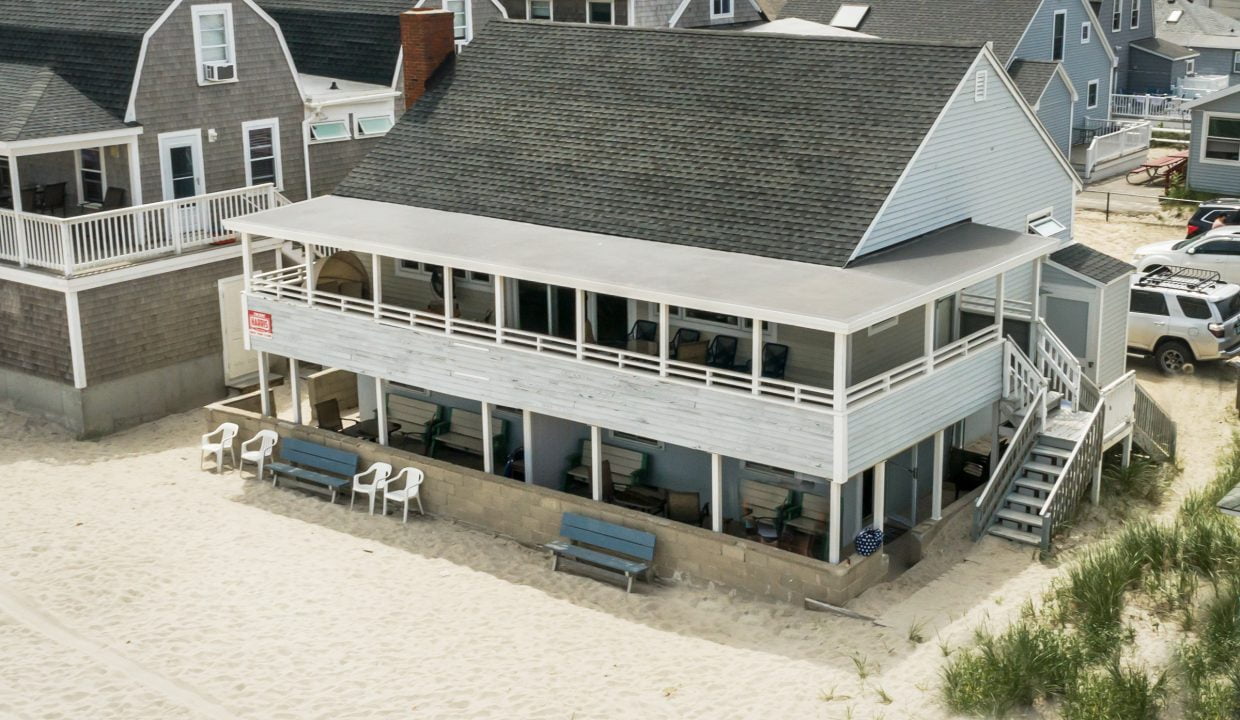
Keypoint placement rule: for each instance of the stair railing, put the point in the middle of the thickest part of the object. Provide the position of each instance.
(1082, 467)
(1008, 467)
(1153, 429)
(1057, 363)
(1022, 381)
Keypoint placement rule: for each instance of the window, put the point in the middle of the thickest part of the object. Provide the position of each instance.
(90, 176)
(460, 23)
(1085, 30)
(718, 8)
(1117, 17)
(374, 126)
(468, 276)
(1195, 308)
(1190, 66)
(1235, 62)
(1218, 247)
(1091, 94)
(1061, 27)
(849, 17)
(1222, 138)
(979, 86)
(539, 10)
(1135, 21)
(1228, 307)
(883, 326)
(712, 322)
(1045, 225)
(413, 268)
(329, 131)
(635, 439)
(599, 13)
(213, 43)
(1148, 303)
(6, 187)
(262, 152)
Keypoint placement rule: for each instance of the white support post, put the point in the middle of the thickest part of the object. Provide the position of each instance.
(1126, 460)
(449, 299)
(76, 351)
(999, 304)
(500, 321)
(716, 492)
(664, 338)
(376, 283)
(488, 440)
(757, 356)
(135, 172)
(527, 433)
(880, 495)
(309, 274)
(264, 384)
(579, 310)
(1035, 310)
(294, 378)
(1095, 493)
(936, 504)
(381, 416)
(836, 528)
(929, 337)
(66, 249)
(23, 252)
(247, 262)
(596, 463)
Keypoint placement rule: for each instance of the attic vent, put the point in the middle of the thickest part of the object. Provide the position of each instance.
(849, 17)
(979, 86)
(1175, 16)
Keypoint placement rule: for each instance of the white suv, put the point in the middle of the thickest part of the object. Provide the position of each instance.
(1183, 315)
(1217, 250)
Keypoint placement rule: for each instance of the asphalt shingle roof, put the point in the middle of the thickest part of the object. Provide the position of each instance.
(973, 22)
(741, 142)
(1165, 48)
(37, 103)
(1032, 77)
(357, 40)
(1092, 263)
(1198, 26)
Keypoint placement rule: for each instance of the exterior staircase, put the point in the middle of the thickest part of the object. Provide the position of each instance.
(1019, 515)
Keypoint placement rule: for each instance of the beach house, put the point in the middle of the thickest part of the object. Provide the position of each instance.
(700, 260)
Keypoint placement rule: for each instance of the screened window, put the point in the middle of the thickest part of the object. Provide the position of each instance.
(600, 13)
(1061, 27)
(1195, 308)
(460, 21)
(262, 152)
(91, 163)
(372, 126)
(540, 9)
(720, 8)
(1148, 303)
(1117, 16)
(213, 40)
(330, 130)
(1091, 94)
(1223, 139)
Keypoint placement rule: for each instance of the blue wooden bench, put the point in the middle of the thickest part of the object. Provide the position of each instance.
(318, 467)
(605, 545)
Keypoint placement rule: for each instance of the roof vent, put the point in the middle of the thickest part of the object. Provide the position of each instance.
(334, 86)
(849, 17)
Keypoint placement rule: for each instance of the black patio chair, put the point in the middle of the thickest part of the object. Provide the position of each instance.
(721, 352)
(113, 199)
(53, 199)
(774, 360)
(683, 335)
(647, 330)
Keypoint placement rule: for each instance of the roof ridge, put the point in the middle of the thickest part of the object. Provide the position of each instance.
(25, 109)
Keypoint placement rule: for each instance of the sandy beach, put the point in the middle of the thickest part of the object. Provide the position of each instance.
(134, 585)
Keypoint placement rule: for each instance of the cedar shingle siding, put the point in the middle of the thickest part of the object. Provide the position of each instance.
(34, 334)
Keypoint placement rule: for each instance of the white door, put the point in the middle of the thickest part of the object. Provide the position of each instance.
(182, 171)
(238, 362)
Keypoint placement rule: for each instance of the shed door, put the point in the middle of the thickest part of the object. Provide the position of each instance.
(1069, 319)
(238, 362)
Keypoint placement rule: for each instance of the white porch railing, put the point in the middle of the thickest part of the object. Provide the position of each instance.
(90, 242)
(1057, 364)
(1149, 107)
(1125, 139)
(1022, 382)
(289, 285)
(1196, 86)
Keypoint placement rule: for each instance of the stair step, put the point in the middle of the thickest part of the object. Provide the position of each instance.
(1043, 468)
(1050, 451)
(1030, 484)
(1026, 500)
(1017, 516)
(1014, 535)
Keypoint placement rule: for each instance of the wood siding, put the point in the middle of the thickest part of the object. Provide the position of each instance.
(1113, 333)
(1216, 61)
(1219, 177)
(1151, 74)
(1084, 62)
(1055, 112)
(1119, 40)
(883, 351)
(697, 14)
(34, 332)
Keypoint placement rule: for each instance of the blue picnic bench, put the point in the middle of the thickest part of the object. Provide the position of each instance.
(317, 466)
(603, 544)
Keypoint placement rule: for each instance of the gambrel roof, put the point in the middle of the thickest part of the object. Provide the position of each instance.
(676, 136)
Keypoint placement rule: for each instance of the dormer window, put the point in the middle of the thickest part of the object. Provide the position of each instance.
(214, 47)
(720, 9)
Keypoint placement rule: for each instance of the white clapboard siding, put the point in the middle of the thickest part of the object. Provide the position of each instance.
(734, 424)
(1113, 342)
(884, 427)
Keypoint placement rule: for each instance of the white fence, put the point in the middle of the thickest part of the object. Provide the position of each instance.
(90, 242)
(1149, 107)
(1201, 85)
(1125, 139)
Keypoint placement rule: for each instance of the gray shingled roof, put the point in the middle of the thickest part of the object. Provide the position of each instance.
(1032, 77)
(743, 142)
(357, 40)
(1198, 26)
(37, 103)
(1091, 263)
(973, 22)
(1165, 48)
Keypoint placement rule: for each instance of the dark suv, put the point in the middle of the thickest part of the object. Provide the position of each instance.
(1208, 212)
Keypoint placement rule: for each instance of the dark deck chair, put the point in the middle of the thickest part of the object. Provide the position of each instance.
(686, 507)
(683, 335)
(721, 352)
(28, 201)
(113, 199)
(54, 198)
(774, 360)
(328, 414)
(646, 330)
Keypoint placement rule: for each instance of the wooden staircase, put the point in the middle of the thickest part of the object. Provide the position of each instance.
(1018, 517)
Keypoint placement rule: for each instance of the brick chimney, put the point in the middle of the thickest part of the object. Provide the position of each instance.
(428, 39)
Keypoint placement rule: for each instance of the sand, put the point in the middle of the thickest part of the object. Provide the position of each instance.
(134, 585)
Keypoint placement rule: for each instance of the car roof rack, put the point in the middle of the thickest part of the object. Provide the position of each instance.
(1181, 278)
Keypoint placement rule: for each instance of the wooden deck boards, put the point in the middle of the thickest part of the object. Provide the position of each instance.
(1067, 425)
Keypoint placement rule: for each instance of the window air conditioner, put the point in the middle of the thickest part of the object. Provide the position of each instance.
(219, 71)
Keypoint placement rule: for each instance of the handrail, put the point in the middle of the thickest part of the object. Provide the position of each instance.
(918, 367)
(1153, 428)
(1021, 374)
(1074, 475)
(1056, 362)
(1004, 472)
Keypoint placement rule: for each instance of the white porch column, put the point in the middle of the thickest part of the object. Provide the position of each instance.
(247, 261)
(500, 320)
(664, 338)
(449, 299)
(135, 172)
(381, 416)
(579, 310)
(999, 304)
(264, 385)
(294, 379)
(880, 495)
(527, 433)
(836, 529)
(757, 356)
(488, 437)
(596, 463)
(929, 337)
(1095, 492)
(716, 492)
(1035, 310)
(76, 352)
(309, 250)
(376, 283)
(16, 184)
(936, 505)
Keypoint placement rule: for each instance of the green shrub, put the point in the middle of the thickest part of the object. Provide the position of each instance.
(1026, 662)
(1143, 479)
(1115, 693)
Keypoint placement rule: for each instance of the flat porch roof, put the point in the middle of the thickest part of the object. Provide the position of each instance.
(815, 296)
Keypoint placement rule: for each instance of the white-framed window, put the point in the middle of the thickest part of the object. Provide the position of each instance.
(720, 9)
(1091, 94)
(1190, 66)
(214, 46)
(717, 322)
(1235, 62)
(1086, 30)
(599, 12)
(460, 21)
(1059, 31)
(633, 439)
(329, 131)
(1117, 15)
(540, 9)
(1135, 20)
(1222, 143)
(979, 85)
(1043, 223)
(91, 175)
(421, 270)
(261, 139)
(374, 126)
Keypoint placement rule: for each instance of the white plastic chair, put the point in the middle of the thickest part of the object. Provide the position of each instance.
(257, 450)
(403, 488)
(381, 471)
(227, 432)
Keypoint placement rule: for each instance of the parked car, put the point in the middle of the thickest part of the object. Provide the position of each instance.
(1203, 220)
(1183, 315)
(1217, 250)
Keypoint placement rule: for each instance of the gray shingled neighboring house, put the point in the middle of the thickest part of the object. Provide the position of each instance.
(590, 245)
(1213, 36)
